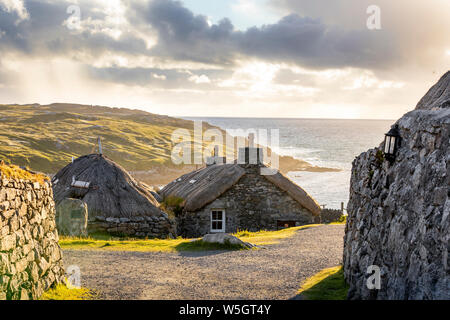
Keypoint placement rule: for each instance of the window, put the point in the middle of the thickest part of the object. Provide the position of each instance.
(387, 144)
(392, 147)
(217, 220)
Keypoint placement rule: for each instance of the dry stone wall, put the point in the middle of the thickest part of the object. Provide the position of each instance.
(30, 257)
(399, 213)
(330, 215)
(148, 226)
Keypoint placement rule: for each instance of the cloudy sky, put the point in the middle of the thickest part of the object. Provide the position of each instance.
(244, 58)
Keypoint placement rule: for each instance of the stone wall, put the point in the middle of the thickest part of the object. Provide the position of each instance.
(398, 214)
(30, 257)
(253, 204)
(150, 226)
(330, 215)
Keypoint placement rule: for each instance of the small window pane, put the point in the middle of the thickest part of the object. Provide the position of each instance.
(217, 217)
(386, 144)
(391, 149)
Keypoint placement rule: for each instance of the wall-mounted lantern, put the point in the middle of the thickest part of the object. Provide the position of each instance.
(391, 143)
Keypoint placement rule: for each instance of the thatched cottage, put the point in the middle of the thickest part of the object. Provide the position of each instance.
(117, 203)
(231, 197)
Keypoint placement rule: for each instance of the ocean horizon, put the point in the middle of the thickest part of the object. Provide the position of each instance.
(331, 143)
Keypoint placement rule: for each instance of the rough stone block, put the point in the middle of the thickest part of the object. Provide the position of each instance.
(8, 242)
(72, 217)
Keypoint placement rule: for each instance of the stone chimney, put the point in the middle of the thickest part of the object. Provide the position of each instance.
(251, 154)
(215, 159)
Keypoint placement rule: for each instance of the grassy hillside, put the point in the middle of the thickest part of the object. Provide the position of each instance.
(45, 137)
(14, 172)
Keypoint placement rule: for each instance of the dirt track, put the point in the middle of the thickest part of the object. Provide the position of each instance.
(272, 273)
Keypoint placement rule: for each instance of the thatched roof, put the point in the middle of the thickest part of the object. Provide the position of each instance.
(200, 187)
(112, 192)
(203, 186)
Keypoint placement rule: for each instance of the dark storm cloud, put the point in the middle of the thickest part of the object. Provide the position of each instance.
(310, 42)
(45, 34)
(182, 35)
(10, 33)
(412, 31)
(294, 39)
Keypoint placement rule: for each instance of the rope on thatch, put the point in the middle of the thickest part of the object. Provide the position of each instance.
(295, 191)
(203, 186)
(116, 193)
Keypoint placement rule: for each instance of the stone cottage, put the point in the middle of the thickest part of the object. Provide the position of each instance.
(231, 197)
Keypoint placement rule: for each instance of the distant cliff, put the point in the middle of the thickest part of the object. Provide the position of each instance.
(398, 214)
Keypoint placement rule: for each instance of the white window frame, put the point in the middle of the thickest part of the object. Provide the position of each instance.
(223, 221)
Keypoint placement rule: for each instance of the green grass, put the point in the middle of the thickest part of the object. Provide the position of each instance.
(14, 172)
(342, 220)
(106, 242)
(151, 245)
(116, 244)
(198, 245)
(328, 284)
(270, 237)
(172, 205)
(67, 292)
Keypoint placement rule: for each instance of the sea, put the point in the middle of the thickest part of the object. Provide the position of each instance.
(331, 143)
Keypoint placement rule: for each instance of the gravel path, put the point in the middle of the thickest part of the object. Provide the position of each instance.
(272, 273)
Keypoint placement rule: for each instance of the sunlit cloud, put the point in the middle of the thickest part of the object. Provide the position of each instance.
(199, 79)
(368, 80)
(159, 76)
(16, 6)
